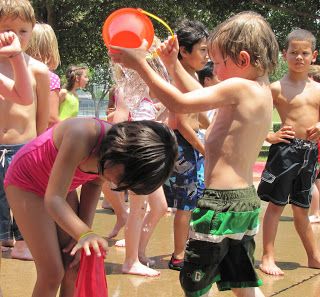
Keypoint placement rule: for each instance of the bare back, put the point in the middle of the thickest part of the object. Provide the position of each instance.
(234, 139)
(18, 122)
(298, 104)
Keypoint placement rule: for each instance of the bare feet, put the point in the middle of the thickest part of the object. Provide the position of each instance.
(21, 251)
(171, 210)
(120, 243)
(313, 263)
(8, 243)
(147, 261)
(121, 221)
(139, 269)
(314, 219)
(268, 266)
(5, 249)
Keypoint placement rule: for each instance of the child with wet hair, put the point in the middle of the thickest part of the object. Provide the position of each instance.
(244, 51)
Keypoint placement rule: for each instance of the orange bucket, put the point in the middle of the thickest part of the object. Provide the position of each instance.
(127, 27)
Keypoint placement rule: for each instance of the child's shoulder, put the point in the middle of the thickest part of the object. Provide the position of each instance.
(63, 93)
(276, 85)
(314, 89)
(80, 129)
(36, 66)
(239, 87)
(315, 85)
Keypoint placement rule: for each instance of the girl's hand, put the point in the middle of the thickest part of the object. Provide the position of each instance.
(90, 239)
(282, 135)
(129, 57)
(76, 259)
(9, 44)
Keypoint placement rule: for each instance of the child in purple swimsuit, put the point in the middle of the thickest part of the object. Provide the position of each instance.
(78, 152)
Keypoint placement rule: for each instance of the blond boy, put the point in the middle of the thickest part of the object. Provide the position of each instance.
(221, 245)
(19, 124)
(291, 167)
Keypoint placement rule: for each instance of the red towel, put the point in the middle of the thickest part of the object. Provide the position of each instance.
(91, 280)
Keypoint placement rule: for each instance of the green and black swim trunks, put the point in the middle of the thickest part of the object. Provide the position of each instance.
(221, 244)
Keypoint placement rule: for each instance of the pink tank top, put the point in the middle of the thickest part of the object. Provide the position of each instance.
(31, 166)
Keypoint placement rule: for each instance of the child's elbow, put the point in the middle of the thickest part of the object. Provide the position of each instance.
(23, 100)
(27, 101)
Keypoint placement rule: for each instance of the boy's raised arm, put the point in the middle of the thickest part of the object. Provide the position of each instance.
(196, 101)
(168, 52)
(18, 90)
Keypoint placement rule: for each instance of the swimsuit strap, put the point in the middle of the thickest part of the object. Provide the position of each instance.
(102, 133)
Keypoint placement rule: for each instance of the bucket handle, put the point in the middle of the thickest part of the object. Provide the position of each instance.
(158, 19)
(155, 54)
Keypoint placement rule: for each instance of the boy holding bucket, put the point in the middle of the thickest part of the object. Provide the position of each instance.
(244, 51)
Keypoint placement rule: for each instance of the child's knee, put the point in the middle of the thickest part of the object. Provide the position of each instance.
(51, 276)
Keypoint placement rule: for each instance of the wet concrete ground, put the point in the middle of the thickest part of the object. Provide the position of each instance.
(18, 277)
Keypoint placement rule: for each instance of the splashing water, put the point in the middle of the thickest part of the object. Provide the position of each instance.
(133, 86)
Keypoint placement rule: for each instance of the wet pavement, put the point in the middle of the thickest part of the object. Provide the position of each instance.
(18, 277)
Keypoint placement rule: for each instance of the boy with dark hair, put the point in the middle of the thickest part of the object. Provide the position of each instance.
(291, 166)
(206, 75)
(185, 185)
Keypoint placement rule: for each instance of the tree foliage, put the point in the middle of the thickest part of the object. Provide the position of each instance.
(78, 24)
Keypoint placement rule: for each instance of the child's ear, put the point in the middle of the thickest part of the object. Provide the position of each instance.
(183, 51)
(244, 59)
(314, 56)
(284, 54)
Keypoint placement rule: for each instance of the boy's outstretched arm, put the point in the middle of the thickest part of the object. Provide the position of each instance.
(224, 93)
(19, 89)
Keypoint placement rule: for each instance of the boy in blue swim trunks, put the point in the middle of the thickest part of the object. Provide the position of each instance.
(221, 245)
(186, 183)
(291, 167)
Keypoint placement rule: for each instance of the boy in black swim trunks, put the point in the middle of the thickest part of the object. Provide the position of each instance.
(291, 167)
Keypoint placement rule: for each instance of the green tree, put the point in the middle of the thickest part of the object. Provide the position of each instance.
(78, 24)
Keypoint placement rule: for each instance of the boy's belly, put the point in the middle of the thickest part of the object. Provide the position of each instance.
(226, 176)
(17, 133)
(17, 124)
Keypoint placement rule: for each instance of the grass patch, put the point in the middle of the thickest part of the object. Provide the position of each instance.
(275, 116)
(262, 159)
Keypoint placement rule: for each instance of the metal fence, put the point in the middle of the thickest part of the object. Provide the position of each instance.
(87, 106)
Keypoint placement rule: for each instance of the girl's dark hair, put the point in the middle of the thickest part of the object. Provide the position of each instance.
(71, 74)
(147, 150)
(189, 33)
